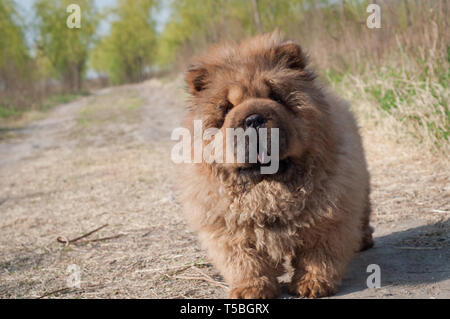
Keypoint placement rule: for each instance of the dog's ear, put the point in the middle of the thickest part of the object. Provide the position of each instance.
(291, 55)
(196, 79)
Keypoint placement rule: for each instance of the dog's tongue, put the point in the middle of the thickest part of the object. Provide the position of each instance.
(261, 158)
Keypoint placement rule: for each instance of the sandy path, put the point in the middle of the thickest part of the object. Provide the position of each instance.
(105, 160)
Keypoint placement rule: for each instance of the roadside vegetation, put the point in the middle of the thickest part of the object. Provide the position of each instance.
(397, 76)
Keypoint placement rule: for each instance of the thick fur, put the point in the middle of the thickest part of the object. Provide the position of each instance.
(314, 211)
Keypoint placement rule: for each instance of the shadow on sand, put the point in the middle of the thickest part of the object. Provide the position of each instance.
(410, 257)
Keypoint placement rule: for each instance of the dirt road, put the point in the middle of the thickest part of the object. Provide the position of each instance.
(105, 159)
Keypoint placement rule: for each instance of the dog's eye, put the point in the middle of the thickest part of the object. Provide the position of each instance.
(274, 96)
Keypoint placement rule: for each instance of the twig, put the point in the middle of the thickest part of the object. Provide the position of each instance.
(64, 240)
(54, 292)
(105, 238)
(427, 272)
(202, 273)
(211, 279)
(202, 278)
(418, 248)
(175, 269)
(440, 211)
(68, 289)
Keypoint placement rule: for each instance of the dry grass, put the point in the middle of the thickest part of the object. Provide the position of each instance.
(109, 173)
(99, 161)
(396, 77)
(84, 179)
(406, 93)
(410, 111)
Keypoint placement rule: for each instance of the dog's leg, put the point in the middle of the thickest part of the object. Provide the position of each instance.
(250, 276)
(367, 239)
(248, 273)
(319, 270)
(261, 287)
(315, 276)
(367, 230)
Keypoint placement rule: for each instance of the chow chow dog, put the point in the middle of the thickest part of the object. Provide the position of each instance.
(314, 211)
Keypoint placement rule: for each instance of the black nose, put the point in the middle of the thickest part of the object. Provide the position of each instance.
(255, 121)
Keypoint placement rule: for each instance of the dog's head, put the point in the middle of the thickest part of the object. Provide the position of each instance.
(262, 83)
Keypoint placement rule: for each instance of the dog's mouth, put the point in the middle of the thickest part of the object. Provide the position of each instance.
(262, 157)
(255, 169)
(265, 163)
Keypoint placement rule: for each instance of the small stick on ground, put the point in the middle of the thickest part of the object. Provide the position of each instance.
(64, 240)
(418, 248)
(105, 238)
(173, 270)
(440, 211)
(214, 282)
(183, 268)
(54, 292)
(68, 289)
(204, 277)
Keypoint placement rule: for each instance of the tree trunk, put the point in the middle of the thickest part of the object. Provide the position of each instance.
(79, 82)
(257, 16)
(343, 10)
(408, 13)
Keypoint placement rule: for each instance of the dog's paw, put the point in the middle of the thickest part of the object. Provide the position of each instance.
(311, 287)
(262, 292)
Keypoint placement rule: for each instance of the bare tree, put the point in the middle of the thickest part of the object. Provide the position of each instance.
(343, 10)
(408, 12)
(257, 16)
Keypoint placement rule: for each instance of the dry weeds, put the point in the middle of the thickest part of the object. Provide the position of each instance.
(119, 173)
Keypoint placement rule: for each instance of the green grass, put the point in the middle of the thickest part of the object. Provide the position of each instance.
(11, 111)
(415, 97)
(109, 109)
(61, 99)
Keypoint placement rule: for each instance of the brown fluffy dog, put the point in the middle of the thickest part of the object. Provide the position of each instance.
(315, 210)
